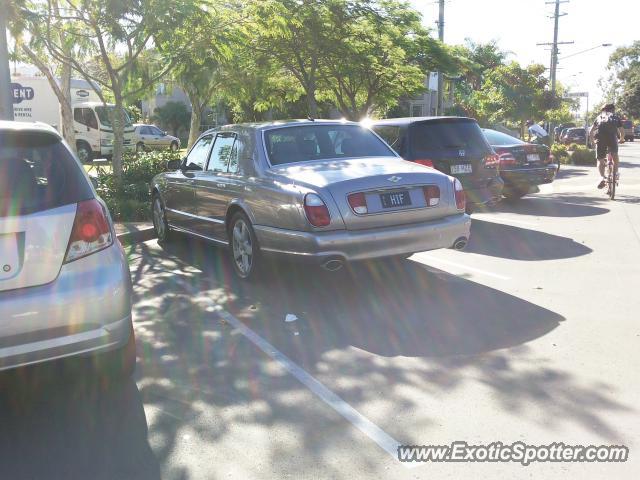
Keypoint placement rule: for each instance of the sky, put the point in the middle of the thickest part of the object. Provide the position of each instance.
(517, 25)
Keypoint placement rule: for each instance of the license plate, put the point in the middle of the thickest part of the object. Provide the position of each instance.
(8, 256)
(533, 157)
(464, 168)
(395, 199)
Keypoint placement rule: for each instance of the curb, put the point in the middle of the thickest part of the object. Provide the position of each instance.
(136, 236)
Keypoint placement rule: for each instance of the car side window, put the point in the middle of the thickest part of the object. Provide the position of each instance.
(90, 118)
(155, 131)
(221, 153)
(144, 130)
(77, 115)
(198, 155)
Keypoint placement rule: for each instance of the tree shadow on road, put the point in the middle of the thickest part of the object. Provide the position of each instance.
(551, 206)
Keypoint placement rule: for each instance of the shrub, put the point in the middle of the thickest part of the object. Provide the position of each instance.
(129, 200)
(560, 153)
(583, 156)
(574, 146)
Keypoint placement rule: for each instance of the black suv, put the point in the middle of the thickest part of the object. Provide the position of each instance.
(453, 145)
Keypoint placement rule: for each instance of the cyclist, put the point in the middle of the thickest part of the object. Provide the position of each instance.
(537, 131)
(607, 131)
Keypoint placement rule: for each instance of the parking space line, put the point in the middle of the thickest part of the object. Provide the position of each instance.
(461, 266)
(362, 423)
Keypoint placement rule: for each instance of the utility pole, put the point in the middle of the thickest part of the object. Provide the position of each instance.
(440, 74)
(554, 48)
(6, 99)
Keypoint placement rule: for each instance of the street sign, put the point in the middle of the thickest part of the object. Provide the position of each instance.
(576, 94)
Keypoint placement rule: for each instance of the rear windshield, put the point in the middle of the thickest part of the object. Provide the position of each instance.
(37, 173)
(499, 138)
(447, 138)
(579, 131)
(322, 142)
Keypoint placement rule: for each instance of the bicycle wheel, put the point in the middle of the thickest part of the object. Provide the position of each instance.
(612, 182)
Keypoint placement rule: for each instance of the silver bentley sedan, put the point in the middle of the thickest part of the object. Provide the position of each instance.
(327, 192)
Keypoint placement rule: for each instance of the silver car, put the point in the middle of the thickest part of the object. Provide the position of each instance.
(65, 287)
(327, 192)
(150, 137)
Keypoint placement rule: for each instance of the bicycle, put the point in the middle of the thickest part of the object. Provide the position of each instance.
(611, 178)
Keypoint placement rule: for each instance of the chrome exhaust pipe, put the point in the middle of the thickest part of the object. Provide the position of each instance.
(460, 243)
(333, 265)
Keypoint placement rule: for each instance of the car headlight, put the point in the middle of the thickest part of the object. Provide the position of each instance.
(106, 142)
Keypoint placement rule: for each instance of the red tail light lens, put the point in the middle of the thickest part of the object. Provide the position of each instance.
(426, 163)
(461, 198)
(91, 231)
(316, 210)
(491, 161)
(431, 195)
(358, 203)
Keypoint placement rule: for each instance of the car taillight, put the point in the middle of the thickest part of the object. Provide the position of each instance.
(550, 158)
(491, 161)
(358, 202)
(426, 163)
(461, 199)
(316, 210)
(431, 195)
(91, 231)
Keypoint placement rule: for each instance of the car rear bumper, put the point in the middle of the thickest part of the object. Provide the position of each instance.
(487, 196)
(87, 309)
(353, 245)
(529, 176)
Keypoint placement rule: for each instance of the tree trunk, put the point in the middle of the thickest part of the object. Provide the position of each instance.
(313, 105)
(196, 118)
(194, 126)
(66, 112)
(62, 92)
(118, 135)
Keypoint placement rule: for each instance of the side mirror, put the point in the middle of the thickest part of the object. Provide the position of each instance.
(174, 164)
(164, 134)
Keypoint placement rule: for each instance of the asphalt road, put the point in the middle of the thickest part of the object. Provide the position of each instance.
(532, 334)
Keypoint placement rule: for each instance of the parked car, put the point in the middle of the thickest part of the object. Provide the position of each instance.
(65, 287)
(328, 192)
(636, 131)
(453, 145)
(523, 166)
(628, 130)
(150, 137)
(558, 130)
(575, 135)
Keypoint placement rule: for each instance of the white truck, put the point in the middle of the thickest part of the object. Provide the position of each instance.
(35, 101)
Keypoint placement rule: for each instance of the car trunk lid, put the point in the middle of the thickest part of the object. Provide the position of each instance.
(33, 247)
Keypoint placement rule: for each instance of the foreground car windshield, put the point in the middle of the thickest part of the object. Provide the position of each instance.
(322, 142)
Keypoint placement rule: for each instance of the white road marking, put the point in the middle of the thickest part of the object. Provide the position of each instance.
(461, 266)
(362, 423)
(501, 219)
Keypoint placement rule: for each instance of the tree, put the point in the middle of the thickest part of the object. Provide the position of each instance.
(625, 63)
(172, 114)
(513, 93)
(377, 56)
(130, 45)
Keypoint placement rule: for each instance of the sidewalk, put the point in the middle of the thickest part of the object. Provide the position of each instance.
(134, 232)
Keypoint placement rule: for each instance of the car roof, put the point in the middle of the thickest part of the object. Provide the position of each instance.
(8, 125)
(409, 120)
(281, 123)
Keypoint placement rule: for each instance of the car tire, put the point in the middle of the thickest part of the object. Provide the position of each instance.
(117, 364)
(244, 250)
(140, 147)
(159, 216)
(514, 195)
(85, 154)
(173, 147)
